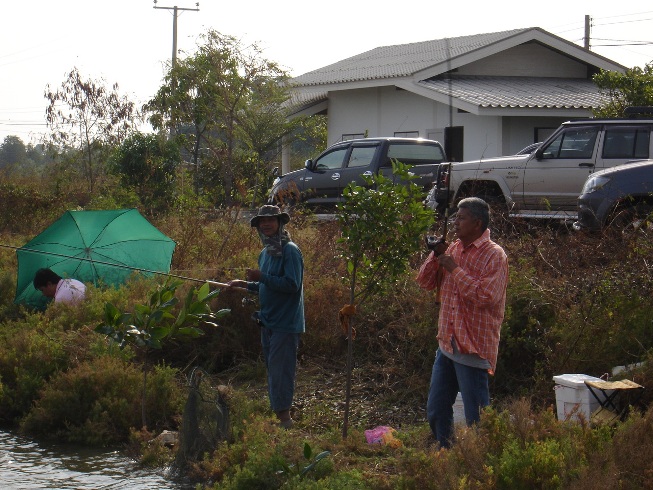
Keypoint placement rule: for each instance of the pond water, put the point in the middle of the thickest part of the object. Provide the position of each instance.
(25, 464)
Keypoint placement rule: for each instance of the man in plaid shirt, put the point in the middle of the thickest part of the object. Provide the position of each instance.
(473, 297)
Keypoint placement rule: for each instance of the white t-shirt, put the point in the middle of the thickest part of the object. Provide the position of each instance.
(70, 291)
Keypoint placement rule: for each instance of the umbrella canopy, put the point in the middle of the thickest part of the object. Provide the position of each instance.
(102, 247)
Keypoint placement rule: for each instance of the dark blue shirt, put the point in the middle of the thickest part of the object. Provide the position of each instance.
(281, 289)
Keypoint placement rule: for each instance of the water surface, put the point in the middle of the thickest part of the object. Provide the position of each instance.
(25, 464)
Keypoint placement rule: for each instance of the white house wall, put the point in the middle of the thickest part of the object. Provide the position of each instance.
(517, 130)
(384, 111)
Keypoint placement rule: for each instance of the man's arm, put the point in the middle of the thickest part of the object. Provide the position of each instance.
(293, 271)
(486, 289)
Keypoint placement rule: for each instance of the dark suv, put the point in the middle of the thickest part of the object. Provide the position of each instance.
(322, 180)
(621, 197)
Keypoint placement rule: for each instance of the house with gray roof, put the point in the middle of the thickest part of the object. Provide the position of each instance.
(483, 95)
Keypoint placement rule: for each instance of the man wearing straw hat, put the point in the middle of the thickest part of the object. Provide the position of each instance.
(279, 284)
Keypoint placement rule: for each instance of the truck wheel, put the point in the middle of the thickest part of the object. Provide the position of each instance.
(489, 192)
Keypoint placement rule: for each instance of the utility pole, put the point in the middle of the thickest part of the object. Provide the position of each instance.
(175, 10)
(588, 24)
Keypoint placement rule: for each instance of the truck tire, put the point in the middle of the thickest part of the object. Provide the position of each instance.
(490, 192)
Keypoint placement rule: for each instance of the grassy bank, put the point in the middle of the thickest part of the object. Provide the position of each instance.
(576, 304)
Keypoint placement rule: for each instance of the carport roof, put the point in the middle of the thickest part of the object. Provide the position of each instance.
(518, 92)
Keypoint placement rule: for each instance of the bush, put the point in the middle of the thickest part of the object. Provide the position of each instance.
(27, 359)
(98, 402)
(575, 303)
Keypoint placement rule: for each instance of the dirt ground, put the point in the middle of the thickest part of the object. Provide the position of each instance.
(376, 397)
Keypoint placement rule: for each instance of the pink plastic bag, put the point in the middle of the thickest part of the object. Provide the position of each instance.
(382, 435)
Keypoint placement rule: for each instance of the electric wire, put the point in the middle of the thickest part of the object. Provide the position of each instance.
(123, 266)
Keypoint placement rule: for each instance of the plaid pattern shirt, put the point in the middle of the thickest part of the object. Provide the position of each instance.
(473, 299)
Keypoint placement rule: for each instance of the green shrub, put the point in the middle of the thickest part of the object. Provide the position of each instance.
(98, 402)
(23, 207)
(526, 337)
(28, 357)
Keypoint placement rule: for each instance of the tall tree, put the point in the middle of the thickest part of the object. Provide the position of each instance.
(382, 226)
(86, 117)
(232, 98)
(12, 152)
(147, 164)
(621, 90)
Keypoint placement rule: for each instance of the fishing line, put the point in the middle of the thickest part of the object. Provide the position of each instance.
(113, 264)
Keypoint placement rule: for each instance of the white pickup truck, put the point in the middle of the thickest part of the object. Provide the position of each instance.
(547, 183)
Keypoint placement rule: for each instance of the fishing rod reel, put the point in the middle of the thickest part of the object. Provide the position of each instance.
(248, 301)
(437, 245)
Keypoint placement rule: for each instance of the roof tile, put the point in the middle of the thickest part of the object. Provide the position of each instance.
(400, 60)
(519, 92)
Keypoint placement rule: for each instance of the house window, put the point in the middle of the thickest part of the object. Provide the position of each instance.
(541, 134)
(352, 136)
(406, 134)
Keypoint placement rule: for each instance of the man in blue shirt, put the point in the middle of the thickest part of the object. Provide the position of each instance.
(279, 282)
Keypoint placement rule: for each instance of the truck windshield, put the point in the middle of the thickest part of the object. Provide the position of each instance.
(573, 143)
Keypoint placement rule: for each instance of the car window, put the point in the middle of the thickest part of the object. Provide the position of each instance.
(361, 156)
(572, 143)
(331, 160)
(626, 142)
(414, 154)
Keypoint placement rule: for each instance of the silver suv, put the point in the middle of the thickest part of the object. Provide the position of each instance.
(547, 182)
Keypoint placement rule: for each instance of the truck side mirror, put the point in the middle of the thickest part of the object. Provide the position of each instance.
(275, 171)
(308, 164)
(539, 153)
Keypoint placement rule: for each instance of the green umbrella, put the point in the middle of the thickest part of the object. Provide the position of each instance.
(99, 247)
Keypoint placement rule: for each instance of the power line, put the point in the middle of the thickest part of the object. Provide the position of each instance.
(625, 43)
(623, 22)
(625, 15)
(2, 123)
(564, 28)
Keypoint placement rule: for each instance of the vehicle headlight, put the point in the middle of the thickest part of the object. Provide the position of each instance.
(594, 184)
(275, 181)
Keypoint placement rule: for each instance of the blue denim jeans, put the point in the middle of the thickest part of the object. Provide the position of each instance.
(447, 379)
(280, 355)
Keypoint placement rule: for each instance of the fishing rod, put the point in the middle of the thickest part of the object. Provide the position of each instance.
(221, 285)
(433, 243)
(445, 225)
(445, 176)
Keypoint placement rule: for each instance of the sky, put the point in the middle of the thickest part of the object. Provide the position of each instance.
(129, 42)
